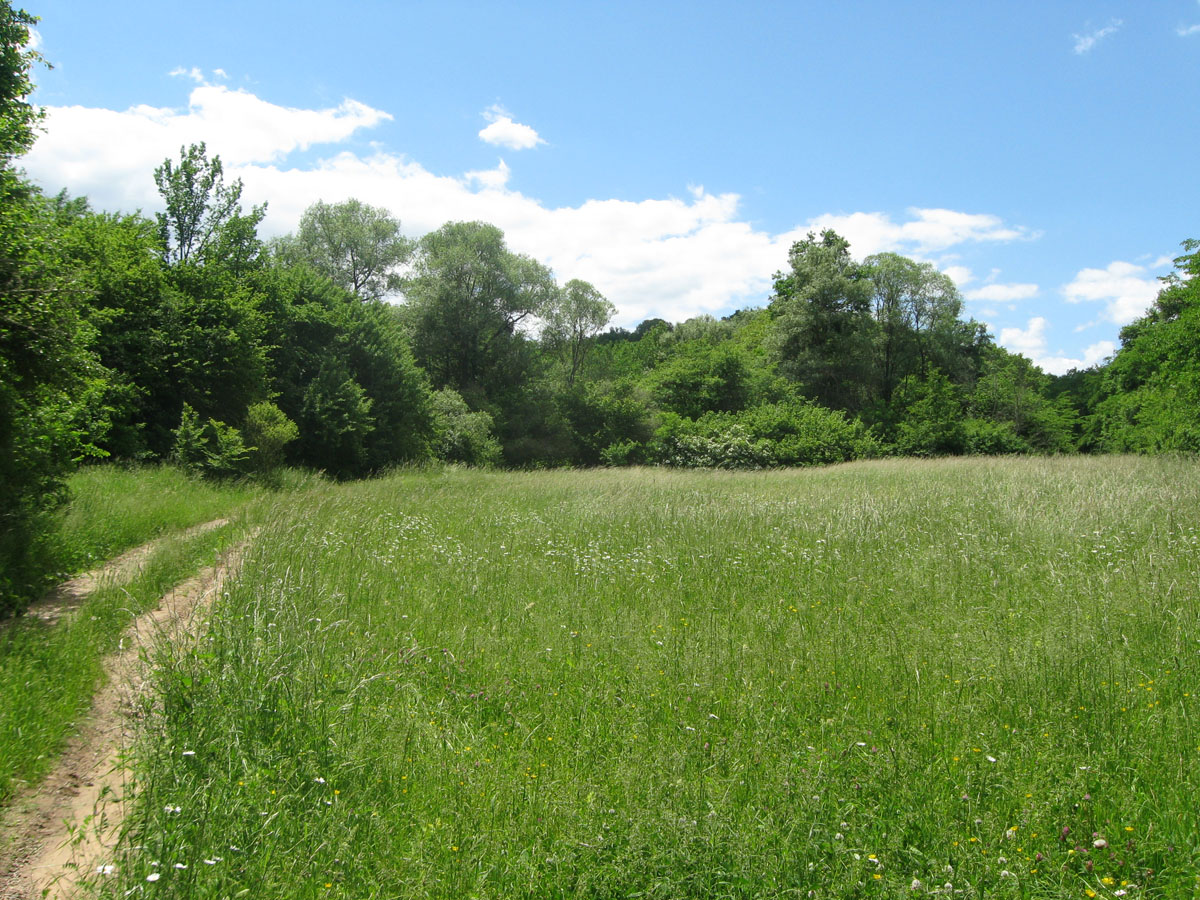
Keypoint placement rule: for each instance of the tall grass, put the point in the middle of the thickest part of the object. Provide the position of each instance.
(971, 677)
(114, 508)
(48, 673)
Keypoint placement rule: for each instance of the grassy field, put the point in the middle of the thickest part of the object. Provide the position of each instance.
(975, 678)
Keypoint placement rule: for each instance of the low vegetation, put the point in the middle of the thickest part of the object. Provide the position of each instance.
(877, 679)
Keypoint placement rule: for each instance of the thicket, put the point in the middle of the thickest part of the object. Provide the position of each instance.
(349, 348)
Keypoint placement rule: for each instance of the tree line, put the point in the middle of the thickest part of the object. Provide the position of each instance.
(350, 348)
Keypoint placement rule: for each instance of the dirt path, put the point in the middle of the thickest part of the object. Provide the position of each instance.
(69, 596)
(63, 830)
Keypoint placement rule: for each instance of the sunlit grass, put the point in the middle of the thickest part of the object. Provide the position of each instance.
(113, 508)
(872, 680)
(48, 672)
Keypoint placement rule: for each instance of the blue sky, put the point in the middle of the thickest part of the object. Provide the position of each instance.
(1042, 154)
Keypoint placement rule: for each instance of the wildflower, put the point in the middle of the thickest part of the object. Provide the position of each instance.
(169, 809)
(105, 870)
(1099, 843)
(189, 752)
(916, 884)
(181, 865)
(991, 759)
(153, 876)
(1004, 873)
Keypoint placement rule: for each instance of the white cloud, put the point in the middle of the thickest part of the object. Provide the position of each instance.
(927, 231)
(504, 132)
(1187, 30)
(491, 178)
(111, 154)
(1030, 341)
(35, 40)
(1003, 293)
(193, 73)
(1126, 295)
(960, 275)
(674, 257)
(1085, 42)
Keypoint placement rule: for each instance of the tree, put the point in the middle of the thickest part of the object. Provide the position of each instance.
(467, 296)
(577, 315)
(916, 310)
(18, 117)
(47, 372)
(357, 247)
(203, 222)
(1152, 384)
(822, 321)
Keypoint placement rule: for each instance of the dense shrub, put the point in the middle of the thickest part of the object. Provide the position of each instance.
(792, 433)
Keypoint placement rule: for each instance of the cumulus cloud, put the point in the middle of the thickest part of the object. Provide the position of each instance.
(960, 275)
(926, 231)
(504, 132)
(1123, 289)
(1030, 341)
(1187, 30)
(110, 154)
(1085, 42)
(674, 257)
(491, 178)
(1002, 293)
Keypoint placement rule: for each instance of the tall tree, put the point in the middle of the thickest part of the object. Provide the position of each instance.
(46, 369)
(578, 313)
(1152, 385)
(204, 222)
(357, 247)
(916, 310)
(822, 321)
(467, 297)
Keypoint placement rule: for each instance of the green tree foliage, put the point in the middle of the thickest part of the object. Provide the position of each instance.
(467, 296)
(822, 311)
(203, 223)
(462, 436)
(48, 377)
(268, 431)
(610, 421)
(336, 421)
(698, 378)
(572, 320)
(1151, 387)
(313, 325)
(212, 449)
(1012, 391)
(916, 310)
(357, 247)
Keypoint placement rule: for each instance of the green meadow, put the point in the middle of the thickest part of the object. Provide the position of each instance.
(970, 678)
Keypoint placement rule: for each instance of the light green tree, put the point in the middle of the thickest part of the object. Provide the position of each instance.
(357, 247)
(576, 315)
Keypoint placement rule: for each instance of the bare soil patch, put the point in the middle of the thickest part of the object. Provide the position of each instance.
(62, 831)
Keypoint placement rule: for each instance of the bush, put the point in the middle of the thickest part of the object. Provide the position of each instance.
(269, 431)
(462, 436)
(791, 433)
(214, 449)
